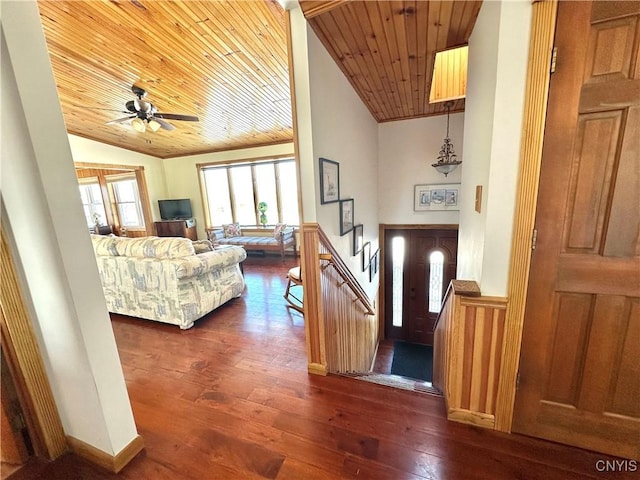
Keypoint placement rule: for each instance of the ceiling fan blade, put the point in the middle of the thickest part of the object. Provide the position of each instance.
(163, 124)
(120, 120)
(177, 116)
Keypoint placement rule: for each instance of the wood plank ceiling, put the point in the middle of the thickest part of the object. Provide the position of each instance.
(387, 49)
(225, 62)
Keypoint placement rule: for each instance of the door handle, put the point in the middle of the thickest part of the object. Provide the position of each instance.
(412, 293)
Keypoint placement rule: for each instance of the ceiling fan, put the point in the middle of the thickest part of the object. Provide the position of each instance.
(144, 114)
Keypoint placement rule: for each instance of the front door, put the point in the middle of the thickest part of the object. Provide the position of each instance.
(579, 367)
(419, 264)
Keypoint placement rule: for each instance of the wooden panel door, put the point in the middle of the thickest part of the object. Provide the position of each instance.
(580, 360)
(418, 317)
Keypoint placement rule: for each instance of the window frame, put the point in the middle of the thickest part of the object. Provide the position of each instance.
(116, 202)
(275, 161)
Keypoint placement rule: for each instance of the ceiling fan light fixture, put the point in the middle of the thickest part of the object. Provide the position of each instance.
(138, 125)
(154, 126)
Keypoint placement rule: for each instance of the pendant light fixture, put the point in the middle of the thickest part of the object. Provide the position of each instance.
(447, 159)
(449, 83)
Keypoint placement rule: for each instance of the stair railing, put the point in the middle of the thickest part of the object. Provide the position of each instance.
(341, 322)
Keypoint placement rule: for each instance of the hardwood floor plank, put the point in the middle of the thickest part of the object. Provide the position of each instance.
(231, 398)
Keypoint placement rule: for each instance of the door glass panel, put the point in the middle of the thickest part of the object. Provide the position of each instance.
(436, 263)
(397, 259)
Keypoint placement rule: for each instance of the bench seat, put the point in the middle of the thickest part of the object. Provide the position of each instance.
(256, 239)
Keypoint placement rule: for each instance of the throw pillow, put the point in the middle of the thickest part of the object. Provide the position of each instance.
(232, 230)
(202, 246)
(277, 231)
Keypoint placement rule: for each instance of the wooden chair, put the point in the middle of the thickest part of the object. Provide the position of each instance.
(294, 279)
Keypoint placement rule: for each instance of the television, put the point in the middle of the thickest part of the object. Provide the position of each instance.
(178, 209)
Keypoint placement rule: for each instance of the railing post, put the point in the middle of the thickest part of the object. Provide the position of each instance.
(313, 317)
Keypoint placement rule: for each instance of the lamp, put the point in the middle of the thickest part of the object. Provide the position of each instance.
(449, 83)
(138, 125)
(447, 159)
(154, 125)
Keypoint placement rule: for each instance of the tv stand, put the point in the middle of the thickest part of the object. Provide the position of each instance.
(177, 228)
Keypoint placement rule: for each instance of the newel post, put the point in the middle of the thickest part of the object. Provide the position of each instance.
(313, 315)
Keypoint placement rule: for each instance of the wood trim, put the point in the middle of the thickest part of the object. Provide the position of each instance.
(472, 418)
(109, 462)
(248, 160)
(24, 358)
(537, 91)
(418, 226)
(143, 191)
(320, 7)
(317, 369)
(203, 199)
(313, 308)
(108, 198)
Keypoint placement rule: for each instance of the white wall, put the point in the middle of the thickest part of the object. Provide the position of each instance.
(42, 208)
(182, 174)
(85, 150)
(303, 120)
(407, 148)
(344, 131)
(498, 53)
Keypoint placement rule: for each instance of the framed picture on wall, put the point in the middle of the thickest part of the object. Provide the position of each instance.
(357, 239)
(346, 216)
(366, 256)
(373, 265)
(329, 181)
(445, 196)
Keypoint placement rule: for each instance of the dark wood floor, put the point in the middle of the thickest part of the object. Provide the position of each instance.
(230, 398)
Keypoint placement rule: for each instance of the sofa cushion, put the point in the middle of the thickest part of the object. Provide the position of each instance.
(103, 245)
(232, 230)
(155, 247)
(202, 246)
(144, 247)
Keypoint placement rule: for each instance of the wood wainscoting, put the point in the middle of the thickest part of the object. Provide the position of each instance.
(468, 353)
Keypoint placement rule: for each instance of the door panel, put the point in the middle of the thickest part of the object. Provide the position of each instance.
(579, 367)
(417, 320)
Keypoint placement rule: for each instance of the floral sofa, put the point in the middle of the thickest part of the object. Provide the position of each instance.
(164, 279)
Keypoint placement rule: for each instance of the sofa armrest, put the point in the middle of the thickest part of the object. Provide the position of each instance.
(214, 234)
(286, 235)
(209, 261)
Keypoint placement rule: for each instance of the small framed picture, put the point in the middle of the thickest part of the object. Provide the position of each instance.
(366, 256)
(373, 265)
(329, 181)
(436, 197)
(346, 216)
(358, 232)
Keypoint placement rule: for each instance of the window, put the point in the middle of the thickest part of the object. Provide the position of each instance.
(436, 263)
(397, 272)
(127, 201)
(218, 197)
(92, 204)
(233, 192)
